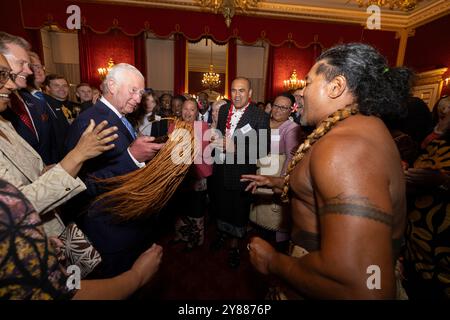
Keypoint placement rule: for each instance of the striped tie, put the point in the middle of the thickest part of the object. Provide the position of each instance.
(19, 108)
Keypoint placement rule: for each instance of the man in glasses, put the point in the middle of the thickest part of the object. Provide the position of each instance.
(26, 112)
(118, 243)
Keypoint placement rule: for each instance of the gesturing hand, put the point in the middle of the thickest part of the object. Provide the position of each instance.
(256, 180)
(95, 140)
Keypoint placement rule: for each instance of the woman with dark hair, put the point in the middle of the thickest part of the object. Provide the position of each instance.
(345, 183)
(145, 118)
(144, 115)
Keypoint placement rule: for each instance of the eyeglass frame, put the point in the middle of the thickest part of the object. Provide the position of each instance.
(37, 66)
(11, 76)
(283, 108)
(134, 91)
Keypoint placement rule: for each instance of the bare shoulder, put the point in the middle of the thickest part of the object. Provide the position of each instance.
(362, 141)
(358, 156)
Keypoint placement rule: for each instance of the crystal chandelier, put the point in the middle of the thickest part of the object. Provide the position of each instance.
(405, 5)
(228, 7)
(211, 79)
(102, 72)
(293, 82)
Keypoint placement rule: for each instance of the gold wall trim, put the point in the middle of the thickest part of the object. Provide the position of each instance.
(389, 21)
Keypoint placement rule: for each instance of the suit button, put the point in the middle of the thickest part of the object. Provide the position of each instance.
(67, 189)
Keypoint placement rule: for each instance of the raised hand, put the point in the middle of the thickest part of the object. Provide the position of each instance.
(276, 183)
(95, 140)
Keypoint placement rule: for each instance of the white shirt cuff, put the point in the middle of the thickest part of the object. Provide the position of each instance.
(139, 164)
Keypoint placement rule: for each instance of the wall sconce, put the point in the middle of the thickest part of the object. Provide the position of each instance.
(102, 72)
(293, 82)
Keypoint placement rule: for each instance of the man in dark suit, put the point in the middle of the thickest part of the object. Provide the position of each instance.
(57, 92)
(119, 243)
(204, 108)
(26, 113)
(246, 132)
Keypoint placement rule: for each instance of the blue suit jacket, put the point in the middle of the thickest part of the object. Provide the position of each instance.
(118, 243)
(39, 114)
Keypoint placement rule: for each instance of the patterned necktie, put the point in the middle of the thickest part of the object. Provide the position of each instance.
(129, 127)
(18, 106)
(202, 117)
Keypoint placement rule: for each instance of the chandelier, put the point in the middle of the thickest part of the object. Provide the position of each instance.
(405, 5)
(228, 7)
(211, 79)
(293, 82)
(102, 72)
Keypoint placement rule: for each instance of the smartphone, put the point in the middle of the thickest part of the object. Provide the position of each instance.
(162, 139)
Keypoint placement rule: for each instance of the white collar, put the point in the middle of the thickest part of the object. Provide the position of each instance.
(109, 105)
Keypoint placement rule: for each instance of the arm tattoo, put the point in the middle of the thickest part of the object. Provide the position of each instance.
(356, 206)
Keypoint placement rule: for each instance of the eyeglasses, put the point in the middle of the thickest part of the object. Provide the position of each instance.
(136, 91)
(37, 66)
(5, 75)
(282, 108)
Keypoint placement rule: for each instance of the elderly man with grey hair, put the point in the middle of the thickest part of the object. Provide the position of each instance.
(118, 243)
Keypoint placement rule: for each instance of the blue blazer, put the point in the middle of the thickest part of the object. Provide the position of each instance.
(39, 114)
(119, 243)
(111, 163)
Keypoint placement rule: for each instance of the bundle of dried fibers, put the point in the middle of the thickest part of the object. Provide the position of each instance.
(147, 190)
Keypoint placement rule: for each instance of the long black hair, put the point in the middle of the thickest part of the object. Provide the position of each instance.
(378, 89)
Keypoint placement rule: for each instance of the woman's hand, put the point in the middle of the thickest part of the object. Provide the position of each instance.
(95, 140)
(276, 183)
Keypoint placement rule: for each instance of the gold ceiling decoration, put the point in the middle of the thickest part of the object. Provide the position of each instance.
(405, 5)
(228, 7)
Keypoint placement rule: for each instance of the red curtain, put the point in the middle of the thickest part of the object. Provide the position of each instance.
(34, 37)
(139, 54)
(179, 80)
(232, 63)
(133, 20)
(96, 49)
(86, 68)
(269, 74)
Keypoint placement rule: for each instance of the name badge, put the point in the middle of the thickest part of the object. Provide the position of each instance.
(246, 129)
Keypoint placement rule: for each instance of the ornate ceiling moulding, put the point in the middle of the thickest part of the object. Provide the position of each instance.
(390, 21)
(432, 12)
